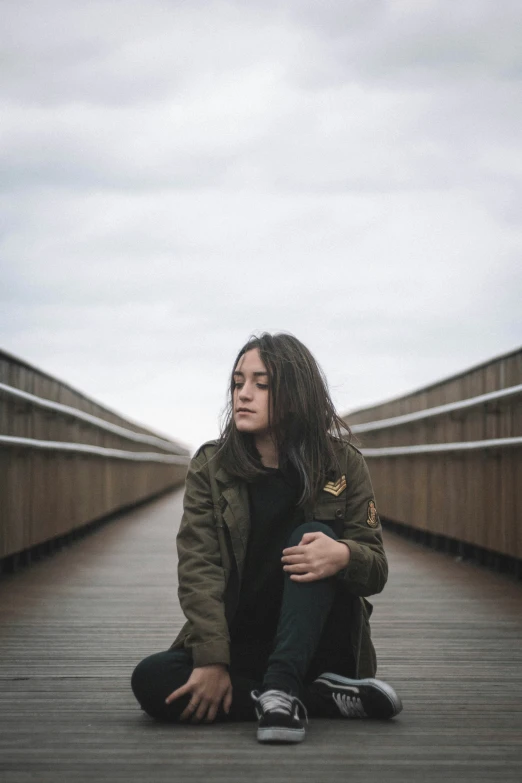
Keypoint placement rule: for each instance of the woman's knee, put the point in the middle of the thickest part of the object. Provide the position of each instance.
(314, 526)
(157, 676)
(142, 675)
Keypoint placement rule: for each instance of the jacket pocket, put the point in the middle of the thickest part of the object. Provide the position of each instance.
(333, 510)
(332, 514)
(224, 548)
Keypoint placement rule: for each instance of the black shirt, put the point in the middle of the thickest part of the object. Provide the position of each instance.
(273, 516)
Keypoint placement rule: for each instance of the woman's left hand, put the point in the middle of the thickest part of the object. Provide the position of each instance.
(317, 556)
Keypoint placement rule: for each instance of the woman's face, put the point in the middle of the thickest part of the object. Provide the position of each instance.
(251, 394)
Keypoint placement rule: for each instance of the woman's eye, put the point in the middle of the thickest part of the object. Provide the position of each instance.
(262, 385)
(237, 385)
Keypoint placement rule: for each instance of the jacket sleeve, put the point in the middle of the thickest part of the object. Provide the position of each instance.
(201, 577)
(367, 569)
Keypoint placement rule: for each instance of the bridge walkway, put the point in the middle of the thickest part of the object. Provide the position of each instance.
(448, 635)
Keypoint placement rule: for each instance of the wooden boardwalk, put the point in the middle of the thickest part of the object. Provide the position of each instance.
(448, 636)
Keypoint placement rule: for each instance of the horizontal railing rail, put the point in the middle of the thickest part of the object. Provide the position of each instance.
(95, 421)
(439, 410)
(397, 451)
(83, 448)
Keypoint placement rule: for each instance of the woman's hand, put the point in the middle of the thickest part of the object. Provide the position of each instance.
(317, 556)
(208, 687)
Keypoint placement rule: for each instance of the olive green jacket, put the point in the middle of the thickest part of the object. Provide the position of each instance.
(212, 542)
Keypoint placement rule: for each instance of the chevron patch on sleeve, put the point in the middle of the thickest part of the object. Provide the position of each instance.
(335, 488)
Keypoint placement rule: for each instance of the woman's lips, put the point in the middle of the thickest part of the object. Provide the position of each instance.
(240, 412)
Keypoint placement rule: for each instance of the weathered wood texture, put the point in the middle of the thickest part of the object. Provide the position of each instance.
(47, 494)
(448, 636)
(474, 497)
(499, 373)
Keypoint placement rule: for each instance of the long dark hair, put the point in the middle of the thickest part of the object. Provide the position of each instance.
(303, 420)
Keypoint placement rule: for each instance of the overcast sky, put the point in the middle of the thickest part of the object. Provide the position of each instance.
(175, 176)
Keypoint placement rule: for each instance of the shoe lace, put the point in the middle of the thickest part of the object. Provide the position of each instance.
(349, 706)
(279, 701)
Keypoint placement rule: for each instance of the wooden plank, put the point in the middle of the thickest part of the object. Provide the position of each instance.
(448, 636)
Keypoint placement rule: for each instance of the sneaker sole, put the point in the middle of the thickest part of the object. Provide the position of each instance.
(275, 734)
(328, 678)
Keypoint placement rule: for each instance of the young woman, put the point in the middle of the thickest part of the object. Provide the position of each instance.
(279, 545)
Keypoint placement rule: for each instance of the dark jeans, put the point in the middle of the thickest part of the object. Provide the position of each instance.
(313, 636)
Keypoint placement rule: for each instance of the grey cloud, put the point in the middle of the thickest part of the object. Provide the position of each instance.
(345, 141)
(109, 54)
(244, 116)
(407, 42)
(63, 52)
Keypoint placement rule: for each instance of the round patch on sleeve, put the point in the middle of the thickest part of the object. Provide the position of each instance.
(373, 519)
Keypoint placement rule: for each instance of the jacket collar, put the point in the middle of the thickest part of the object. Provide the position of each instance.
(222, 477)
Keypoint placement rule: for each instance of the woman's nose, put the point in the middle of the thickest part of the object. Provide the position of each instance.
(245, 393)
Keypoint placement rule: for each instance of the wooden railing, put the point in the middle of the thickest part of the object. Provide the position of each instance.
(66, 461)
(447, 459)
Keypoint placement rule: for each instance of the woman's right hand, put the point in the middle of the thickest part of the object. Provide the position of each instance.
(208, 687)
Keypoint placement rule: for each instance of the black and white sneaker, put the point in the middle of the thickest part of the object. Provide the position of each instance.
(342, 697)
(279, 716)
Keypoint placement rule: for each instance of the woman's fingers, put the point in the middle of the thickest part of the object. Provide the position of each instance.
(295, 560)
(177, 693)
(294, 550)
(212, 712)
(201, 711)
(307, 577)
(204, 710)
(298, 568)
(227, 701)
(309, 537)
(207, 686)
(189, 709)
(212, 707)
